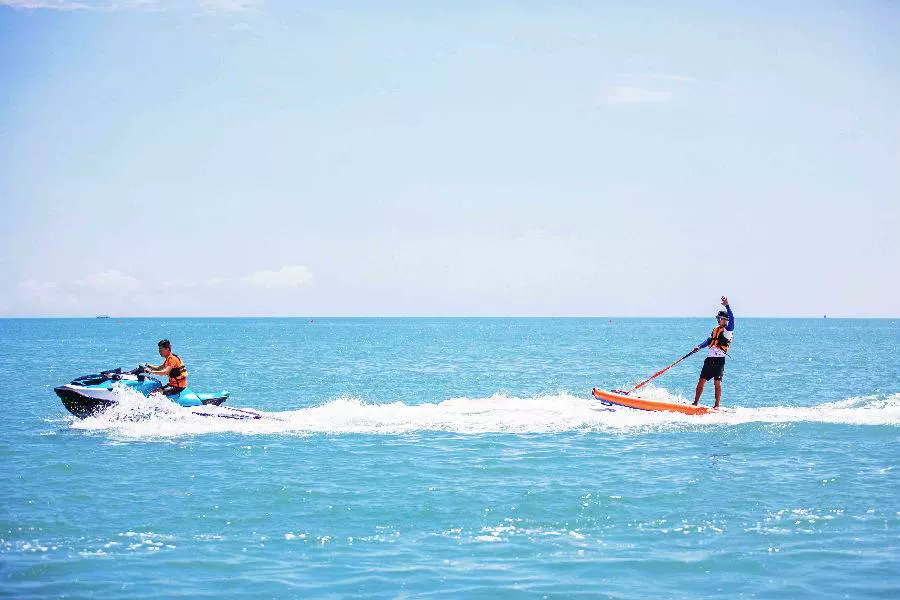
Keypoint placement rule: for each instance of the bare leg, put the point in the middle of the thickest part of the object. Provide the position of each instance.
(718, 383)
(699, 392)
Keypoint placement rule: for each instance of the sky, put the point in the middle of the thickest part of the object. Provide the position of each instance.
(566, 158)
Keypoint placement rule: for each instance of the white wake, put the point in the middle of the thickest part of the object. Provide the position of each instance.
(138, 417)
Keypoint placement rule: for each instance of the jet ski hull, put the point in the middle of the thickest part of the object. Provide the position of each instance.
(90, 395)
(82, 404)
(86, 402)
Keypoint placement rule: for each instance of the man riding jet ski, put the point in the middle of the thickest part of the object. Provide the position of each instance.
(172, 366)
(92, 394)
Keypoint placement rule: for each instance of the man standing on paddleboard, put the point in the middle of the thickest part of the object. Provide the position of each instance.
(719, 341)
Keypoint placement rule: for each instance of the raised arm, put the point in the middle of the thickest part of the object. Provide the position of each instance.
(730, 325)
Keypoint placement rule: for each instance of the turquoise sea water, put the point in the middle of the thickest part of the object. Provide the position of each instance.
(454, 458)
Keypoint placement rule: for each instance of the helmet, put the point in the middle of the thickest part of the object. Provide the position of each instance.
(721, 315)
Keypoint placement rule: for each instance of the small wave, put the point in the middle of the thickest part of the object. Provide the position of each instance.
(138, 417)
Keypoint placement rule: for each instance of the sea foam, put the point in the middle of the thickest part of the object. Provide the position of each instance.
(138, 417)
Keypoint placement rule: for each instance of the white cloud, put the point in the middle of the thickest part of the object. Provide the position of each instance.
(64, 5)
(663, 76)
(627, 94)
(230, 6)
(114, 292)
(32, 285)
(44, 295)
(110, 280)
(176, 284)
(48, 4)
(38, 292)
(203, 6)
(286, 277)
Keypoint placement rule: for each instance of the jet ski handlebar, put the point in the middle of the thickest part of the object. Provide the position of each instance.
(118, 373)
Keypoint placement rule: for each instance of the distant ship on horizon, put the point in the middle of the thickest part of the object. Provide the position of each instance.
(102, 316)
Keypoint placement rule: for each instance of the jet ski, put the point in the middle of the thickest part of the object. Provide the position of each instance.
(90, 395)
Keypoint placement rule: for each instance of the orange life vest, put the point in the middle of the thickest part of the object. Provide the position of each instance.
(718, 340)
(178, 372)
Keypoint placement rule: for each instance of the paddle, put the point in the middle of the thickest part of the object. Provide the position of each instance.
(655, 375)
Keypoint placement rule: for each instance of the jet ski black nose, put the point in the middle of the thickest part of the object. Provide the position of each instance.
(80, 405)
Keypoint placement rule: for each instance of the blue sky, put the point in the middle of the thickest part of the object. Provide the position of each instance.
(235, 157)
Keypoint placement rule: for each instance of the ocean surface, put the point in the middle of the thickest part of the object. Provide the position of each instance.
(454, 458)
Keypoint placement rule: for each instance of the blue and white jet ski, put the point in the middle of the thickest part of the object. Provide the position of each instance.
(92, 394)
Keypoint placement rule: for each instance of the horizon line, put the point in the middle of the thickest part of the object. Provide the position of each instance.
(111, 317)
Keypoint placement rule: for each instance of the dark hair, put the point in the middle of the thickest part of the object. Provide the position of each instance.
(164, 344)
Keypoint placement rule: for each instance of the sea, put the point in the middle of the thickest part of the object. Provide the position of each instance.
(454, 458)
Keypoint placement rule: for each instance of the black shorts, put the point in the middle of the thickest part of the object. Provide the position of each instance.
(172, 390)
(713, 368)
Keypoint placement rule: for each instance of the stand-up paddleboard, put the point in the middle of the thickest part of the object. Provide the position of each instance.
(641, 404)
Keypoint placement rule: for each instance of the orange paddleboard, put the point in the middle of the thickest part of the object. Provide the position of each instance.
(638, 403)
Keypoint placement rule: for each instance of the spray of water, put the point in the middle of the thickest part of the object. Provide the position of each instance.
(138, 417)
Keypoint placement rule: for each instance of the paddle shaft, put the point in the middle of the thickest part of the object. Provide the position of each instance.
(658, 373)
